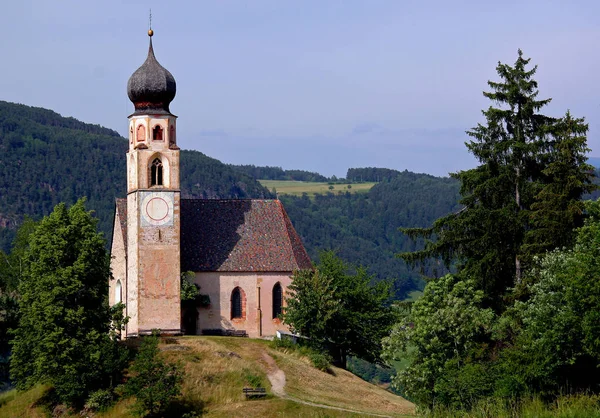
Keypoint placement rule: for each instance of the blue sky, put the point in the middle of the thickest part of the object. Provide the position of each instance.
(316, 85)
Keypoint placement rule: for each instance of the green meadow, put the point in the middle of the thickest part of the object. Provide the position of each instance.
(311, 188)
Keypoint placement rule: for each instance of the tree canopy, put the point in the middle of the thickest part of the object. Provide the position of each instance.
(514, 319)
(63, 333)
(340, 310)
(524, 196)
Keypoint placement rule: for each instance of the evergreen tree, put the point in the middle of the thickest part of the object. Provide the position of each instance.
(63, 333)
(523, 162)
(12, 267)
(558, 209)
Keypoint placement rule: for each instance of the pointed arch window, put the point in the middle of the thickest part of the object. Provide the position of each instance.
(156, 173)
(237, 304)
(118, 292)
(157, 133)
(277, 300)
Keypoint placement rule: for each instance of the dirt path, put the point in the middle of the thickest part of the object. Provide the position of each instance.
(276, 377)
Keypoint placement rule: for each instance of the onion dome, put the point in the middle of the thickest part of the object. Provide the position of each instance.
(151, 87)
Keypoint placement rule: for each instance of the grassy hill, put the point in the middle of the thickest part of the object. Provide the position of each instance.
(216, 370)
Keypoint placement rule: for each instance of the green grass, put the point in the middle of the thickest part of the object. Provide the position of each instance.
(568, 406)
(296, 188)
(23, 404)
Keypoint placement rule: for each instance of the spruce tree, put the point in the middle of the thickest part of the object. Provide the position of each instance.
(558, 209)
(506, 199)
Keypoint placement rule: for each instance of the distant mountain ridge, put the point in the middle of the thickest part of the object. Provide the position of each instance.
(278, 173)
(46, 158)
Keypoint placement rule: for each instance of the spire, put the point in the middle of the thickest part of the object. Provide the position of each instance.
(151, 87)
(150, 31)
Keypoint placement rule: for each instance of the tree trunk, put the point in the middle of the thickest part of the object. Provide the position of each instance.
(518, 201)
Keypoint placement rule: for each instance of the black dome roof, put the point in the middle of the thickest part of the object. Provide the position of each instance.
(151, 87)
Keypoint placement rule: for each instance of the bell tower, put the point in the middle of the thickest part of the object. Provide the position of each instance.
(153, 196)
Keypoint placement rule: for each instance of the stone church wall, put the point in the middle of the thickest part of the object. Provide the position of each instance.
(117, 267)
(219, 287)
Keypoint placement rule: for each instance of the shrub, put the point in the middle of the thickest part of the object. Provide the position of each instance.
(100, 400)
(278, 343)
(321, 361)
(154, 383)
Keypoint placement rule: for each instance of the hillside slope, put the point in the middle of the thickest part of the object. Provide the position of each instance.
(363, 227)
(46, 158)
(218, 368)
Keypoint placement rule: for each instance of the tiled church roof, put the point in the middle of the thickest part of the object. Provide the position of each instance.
(237, 235)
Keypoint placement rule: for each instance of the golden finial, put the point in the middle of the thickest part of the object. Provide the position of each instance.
(150, 31)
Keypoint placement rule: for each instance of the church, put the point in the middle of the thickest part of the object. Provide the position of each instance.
(242, 252)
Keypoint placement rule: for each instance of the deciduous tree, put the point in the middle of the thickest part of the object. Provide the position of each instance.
(63, 334)
(339, 309)
(154, 382)
(438, 335)
(558, 326)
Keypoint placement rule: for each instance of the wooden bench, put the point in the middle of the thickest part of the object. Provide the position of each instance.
(255, 392)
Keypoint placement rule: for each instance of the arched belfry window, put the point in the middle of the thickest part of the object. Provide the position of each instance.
(157, 133)
(156, 173)
(277, 300)
(118, 292)
(237, 304)
(141, 133)
(172, 135)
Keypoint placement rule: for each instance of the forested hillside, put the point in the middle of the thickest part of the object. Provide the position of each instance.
(370, 174)
(363, 228)
(46, 159)
(278, 173)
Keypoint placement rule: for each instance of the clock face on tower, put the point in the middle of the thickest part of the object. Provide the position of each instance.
(156, 208)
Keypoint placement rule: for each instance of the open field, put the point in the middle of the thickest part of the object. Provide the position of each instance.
(218, 368)
(298, 187)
